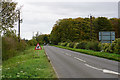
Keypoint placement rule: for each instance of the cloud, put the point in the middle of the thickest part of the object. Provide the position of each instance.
(41, 16)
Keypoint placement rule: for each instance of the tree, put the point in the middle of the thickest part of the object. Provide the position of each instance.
(102, 24)
(70, 30)
(44, 38)
(9, 15)
(78, 29)
(116, 26)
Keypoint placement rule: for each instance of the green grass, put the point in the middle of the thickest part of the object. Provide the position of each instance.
(111, 56)
(31, 64)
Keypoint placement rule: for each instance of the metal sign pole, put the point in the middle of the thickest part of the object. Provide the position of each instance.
(110, 39)
(106, 37)
(101, 42)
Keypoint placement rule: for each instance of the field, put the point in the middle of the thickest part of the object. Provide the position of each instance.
(30, 64)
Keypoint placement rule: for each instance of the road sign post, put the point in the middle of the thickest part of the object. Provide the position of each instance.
(106, 37)
(38, 47)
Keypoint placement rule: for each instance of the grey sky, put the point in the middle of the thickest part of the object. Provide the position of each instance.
(41, 16)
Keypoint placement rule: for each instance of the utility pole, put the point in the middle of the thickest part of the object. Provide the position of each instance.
(19, 21)
(19, 25)
(91, 27)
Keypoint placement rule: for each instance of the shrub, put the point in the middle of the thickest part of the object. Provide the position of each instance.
(106, 47)
(81, 45)
(11, 46)
(117, 46)
(75, 45)
(63, 44)
(71, 45)
(114, 48)
(21, 45)
(111, 48)
(68, 44)
(59, 43)
(32, 42)
(93, 45)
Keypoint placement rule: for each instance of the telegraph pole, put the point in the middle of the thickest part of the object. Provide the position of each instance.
(19, 21)
(19, 25)
(91, 27)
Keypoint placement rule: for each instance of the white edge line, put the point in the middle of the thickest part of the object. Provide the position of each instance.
(79, 59)
(54, 69)
(52, 65)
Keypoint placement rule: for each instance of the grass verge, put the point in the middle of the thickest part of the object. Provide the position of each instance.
(31, 64)
(111, 56)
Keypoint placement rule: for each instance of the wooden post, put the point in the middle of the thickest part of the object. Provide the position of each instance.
(19, 25)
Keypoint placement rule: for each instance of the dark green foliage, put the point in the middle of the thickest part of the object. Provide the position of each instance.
(81, 45)
(9, 15)
(10, 44)
(63, 44)
(116, 26)
(67, 44)
(102, 24)
(32, 42)
(22, 45)
(111, 48)
(11, 47)
(117, 46)
(71, 45)
(41, 39)
(75, 45)
(78, 29)
(93, 45)
(70, 30)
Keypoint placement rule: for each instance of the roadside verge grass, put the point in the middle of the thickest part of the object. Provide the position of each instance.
(31, 64)
(111, 56)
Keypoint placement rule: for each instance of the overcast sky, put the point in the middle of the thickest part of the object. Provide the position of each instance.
(39, 15)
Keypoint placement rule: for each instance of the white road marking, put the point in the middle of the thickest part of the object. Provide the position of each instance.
(67, 54)
(110, 72)
(52, 66)
(103, 70)
(93, 67)
(79, 59)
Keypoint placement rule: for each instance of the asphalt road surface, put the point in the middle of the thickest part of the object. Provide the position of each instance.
(70, 64)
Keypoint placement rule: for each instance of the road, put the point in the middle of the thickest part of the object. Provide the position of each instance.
(70, 64)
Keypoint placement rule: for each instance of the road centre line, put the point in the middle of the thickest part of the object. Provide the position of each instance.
(67, 54)
(93, 67)
(76, 58)
(111, 72)
(79, 59)
(103, 70)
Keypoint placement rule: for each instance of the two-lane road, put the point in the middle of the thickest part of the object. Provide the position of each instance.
(70, 64)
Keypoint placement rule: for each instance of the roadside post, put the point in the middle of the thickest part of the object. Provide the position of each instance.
(38, 47)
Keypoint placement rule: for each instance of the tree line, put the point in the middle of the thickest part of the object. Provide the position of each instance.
(8, 17)
(79, 29)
